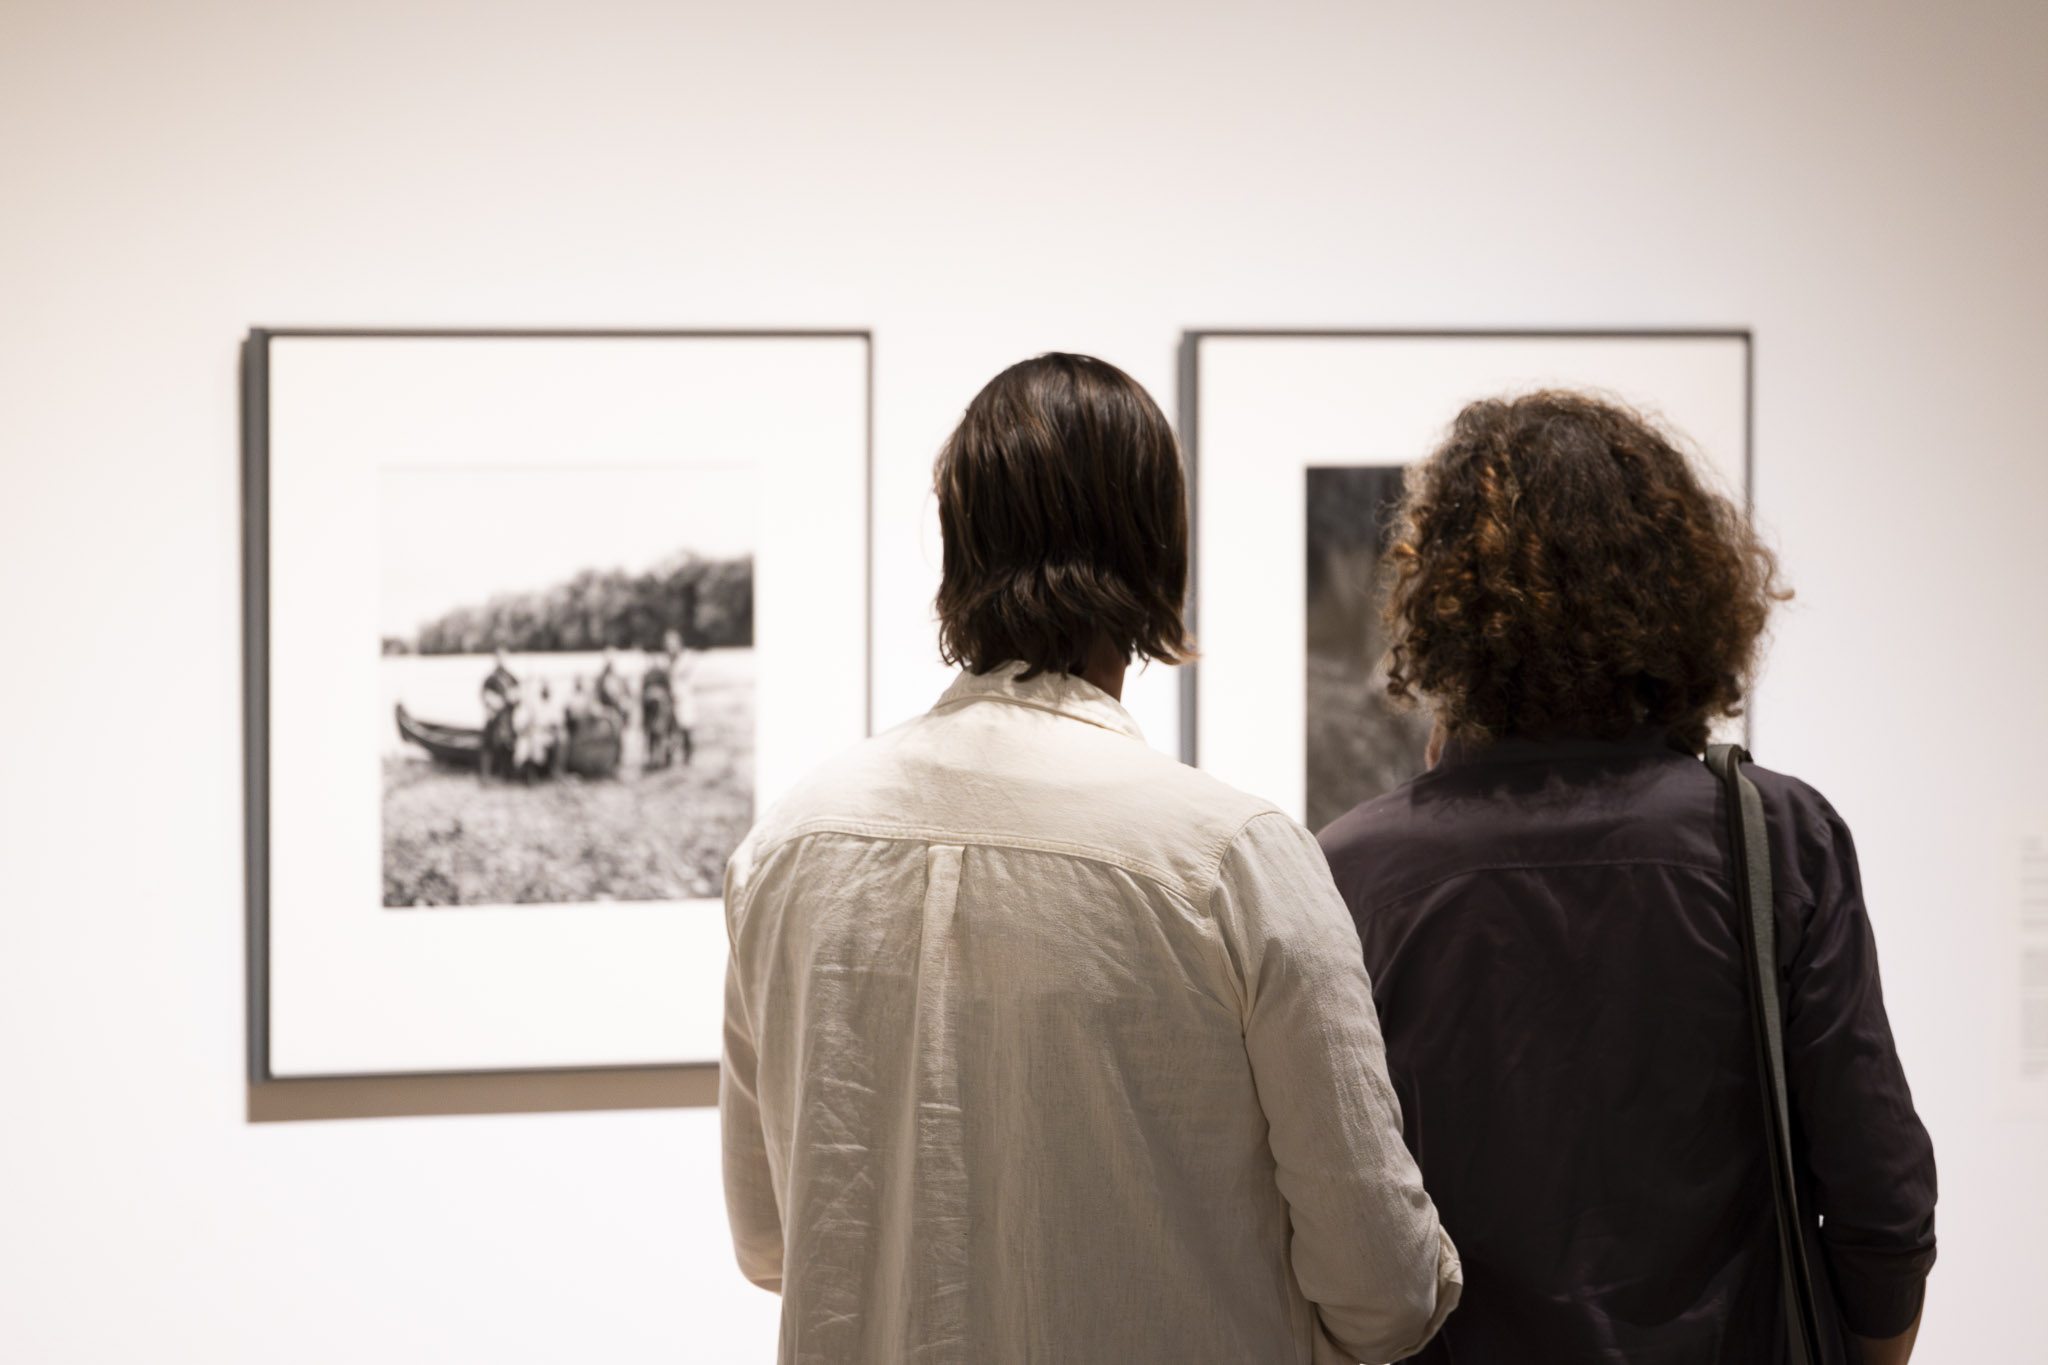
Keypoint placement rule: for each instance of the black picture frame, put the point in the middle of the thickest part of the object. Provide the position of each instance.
(521, 1090)
(1189, 373)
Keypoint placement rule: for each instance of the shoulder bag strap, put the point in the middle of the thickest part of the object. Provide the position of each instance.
(1755, 907)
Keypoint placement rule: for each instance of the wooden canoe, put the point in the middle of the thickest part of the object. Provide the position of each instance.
(594, 751)
(450, 744)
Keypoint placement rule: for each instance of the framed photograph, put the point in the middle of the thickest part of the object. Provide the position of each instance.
(535, 623)
(1297, 443)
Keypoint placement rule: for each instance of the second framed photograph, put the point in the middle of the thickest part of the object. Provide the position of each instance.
(1298, 443)
(537, 622)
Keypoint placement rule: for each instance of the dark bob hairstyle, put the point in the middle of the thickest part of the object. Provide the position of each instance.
(1064, 516)
(1559, 569)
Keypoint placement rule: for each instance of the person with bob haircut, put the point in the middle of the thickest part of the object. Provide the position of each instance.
(1550, 918)
(1040, 1046)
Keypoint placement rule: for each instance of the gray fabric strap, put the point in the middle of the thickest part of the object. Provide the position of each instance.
(1756, 908)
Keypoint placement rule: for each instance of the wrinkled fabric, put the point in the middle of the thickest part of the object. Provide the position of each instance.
(1041, 1046)
(1553, 940)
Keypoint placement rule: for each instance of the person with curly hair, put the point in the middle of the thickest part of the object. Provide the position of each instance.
(1548, 918)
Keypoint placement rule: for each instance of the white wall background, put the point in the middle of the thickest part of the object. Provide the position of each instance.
(1867, 186)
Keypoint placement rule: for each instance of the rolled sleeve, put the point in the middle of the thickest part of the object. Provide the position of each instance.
(1367, 1251)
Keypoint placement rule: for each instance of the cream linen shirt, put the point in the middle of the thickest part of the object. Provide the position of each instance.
(1040, 1046)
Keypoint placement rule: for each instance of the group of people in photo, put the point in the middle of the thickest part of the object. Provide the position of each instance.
(533, 724)
(1040, 1046)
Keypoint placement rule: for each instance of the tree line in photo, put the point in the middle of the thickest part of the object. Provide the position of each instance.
(709, 602)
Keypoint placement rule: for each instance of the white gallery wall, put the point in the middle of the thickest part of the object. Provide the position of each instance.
(1867, 187)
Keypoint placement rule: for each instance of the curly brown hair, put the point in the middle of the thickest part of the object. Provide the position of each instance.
(1559, 569)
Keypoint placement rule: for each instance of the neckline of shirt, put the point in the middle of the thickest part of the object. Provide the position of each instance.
(1643, 740)
(1061, 693)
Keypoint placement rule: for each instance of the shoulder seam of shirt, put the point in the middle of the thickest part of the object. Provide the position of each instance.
(1167, 881)
(1223, 851)
(1388, 902)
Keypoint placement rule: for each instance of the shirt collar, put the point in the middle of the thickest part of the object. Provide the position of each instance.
(1062, 694)
(1643, 740)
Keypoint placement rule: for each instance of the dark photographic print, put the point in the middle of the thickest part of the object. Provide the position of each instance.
(567, 681)
(1360, 743)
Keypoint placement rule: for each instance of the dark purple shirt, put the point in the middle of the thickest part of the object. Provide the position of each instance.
(1551, 934)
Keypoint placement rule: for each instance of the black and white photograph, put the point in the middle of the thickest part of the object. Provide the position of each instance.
(566, 665)
(1360, 742)
(537, 623)
(1299, 442)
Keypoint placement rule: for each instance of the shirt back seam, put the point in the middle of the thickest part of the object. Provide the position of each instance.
(933, 834)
